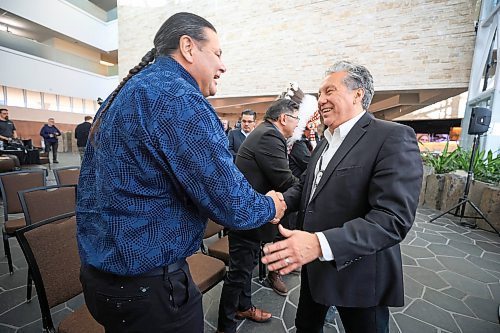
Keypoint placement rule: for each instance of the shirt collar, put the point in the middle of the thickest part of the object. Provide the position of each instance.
(341, 132)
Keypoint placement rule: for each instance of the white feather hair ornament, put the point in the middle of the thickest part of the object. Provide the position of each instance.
(307, 108)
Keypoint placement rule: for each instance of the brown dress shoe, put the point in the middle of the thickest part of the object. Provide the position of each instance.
(254, 314)
(276, 282)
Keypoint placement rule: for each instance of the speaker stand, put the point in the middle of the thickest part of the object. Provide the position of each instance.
(464, 200)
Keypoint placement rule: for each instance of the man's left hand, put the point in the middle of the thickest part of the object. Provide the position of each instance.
(299, 248)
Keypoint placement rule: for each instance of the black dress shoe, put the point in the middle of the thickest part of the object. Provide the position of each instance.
(55, 162)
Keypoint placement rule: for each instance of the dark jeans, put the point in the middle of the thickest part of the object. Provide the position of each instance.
(237, 289)
(53, 146)
(163, 303)
(310, 316)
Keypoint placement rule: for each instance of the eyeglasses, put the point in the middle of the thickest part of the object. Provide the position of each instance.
(294, 117)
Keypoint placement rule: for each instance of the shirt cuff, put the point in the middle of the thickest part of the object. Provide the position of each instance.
(326, 250)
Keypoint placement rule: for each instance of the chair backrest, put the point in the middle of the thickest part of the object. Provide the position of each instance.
(67, 175)
(51, 251)
(212, 229)
(12, 182)
(41, 203)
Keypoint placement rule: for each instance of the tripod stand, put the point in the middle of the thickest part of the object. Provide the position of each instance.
(460, 207)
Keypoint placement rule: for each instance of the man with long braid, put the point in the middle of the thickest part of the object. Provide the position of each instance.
(156, 166)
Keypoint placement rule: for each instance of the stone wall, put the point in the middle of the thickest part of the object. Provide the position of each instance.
(407, 44)
(444, 191)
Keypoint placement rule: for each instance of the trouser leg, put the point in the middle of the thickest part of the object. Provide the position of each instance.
(55, 145)
(310, 316)
(81, 151)
(236, 291)
(359, 320)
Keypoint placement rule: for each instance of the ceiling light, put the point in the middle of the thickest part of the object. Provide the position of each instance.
(105, 63)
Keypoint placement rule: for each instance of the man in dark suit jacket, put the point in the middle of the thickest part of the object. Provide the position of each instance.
(238, 135)
(262, 158)
(81, 135)
(356, 203)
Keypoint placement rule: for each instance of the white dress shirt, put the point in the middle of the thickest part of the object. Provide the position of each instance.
(334, 139)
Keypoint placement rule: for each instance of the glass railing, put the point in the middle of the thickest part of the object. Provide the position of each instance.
(37, 49)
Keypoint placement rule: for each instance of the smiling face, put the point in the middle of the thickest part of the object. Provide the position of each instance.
(336, 102)
(207, 63)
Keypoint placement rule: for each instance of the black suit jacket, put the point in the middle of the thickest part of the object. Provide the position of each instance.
(262, 159)
(235, 138)
(299, 156)
(82, 133)
(364, 204)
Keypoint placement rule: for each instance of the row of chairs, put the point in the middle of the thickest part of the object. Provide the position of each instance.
(13, 182)
(48, 241)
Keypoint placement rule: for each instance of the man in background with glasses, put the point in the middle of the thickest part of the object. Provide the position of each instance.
(262, 159)
(238, 135)
(356, 203)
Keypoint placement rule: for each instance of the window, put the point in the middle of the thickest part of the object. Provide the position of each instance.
(78, 105)
(2, 95)
(65, 103)
(15, 97)
(33, 99)
(50, 102)
(89, 106)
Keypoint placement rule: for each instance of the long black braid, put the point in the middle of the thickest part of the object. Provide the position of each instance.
(145, 61)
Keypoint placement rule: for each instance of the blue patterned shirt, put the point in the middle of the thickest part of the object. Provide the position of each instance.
(159, 166)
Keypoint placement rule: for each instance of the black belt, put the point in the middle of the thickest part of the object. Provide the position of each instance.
(166, 269)
(154, 272)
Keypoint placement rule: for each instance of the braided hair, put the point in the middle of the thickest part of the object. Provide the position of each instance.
(166, 42)
(146, 60)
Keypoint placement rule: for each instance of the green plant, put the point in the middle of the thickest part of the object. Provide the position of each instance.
(486, 166)
(489, 170)
(442, 163)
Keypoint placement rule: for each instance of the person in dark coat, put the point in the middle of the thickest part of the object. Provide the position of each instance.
(239, 134)
(356, 202)
(81, 135)
(262, 159)
(49, 132)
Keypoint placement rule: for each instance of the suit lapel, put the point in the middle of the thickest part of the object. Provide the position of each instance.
(356, 133)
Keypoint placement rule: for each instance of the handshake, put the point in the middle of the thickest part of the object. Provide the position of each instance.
(279, 205)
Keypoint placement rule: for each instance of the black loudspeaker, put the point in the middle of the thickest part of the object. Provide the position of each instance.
(480, 119)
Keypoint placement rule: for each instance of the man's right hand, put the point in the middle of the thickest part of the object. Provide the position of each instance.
(279, 205)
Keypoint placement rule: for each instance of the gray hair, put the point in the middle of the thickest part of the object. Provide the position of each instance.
(358, 76)
(279, 107)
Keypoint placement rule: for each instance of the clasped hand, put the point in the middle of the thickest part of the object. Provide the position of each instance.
(279, 205)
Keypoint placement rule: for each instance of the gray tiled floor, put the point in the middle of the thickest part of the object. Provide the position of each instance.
(451, 275)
